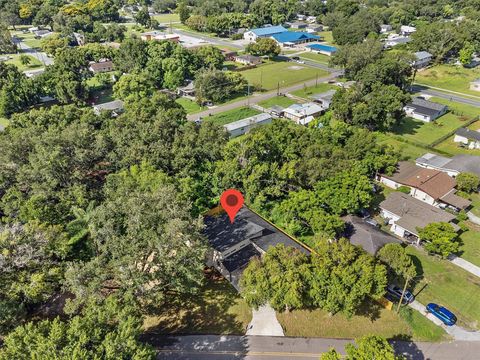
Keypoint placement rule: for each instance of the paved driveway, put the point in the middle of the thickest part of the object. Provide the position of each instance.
(264, 322)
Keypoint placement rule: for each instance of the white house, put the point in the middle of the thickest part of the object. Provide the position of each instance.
(407, 30)
(302, 114)
(424, 110)
(394, 40)
(385, 28)
(265, 32)
(422, 59)
(475, 85)
(243, 126)
(406, 215)
(115, 107)
(470, 138)
(454, 166)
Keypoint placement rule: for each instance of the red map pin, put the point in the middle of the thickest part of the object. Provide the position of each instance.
(232, 201)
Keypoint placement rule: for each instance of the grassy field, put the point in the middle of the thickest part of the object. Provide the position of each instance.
(315, 57)
(407, 151)
(28, 39)
(320, 88)
(422, 328)
(374, 320)
(470, 248)
(217, 309)
(475, 203)
(450, 77)
(426, 133)
(446, 284)
(232, 115)
(270, 75)
(453, 148)
(190, 106)
(277, 100)
(15, 60)
(166, 18)
(326, 36)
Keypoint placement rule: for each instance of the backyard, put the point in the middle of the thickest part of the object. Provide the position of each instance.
(470, 248)
(454, 148)
(306, 92)
(277, 100)
(14, 59)
(232, 115)
(449, 77)
(166, 18)
(273, 74)
(190, 106)
(216, 309)
(407, 151)
(374, 319)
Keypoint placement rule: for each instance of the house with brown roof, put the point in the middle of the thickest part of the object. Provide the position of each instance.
(101, 66)
(433, 187)
(407, 215)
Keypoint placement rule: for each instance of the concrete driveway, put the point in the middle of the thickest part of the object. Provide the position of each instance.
(264, 322)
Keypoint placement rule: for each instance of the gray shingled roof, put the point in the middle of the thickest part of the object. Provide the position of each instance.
(469, 134)
(420, 55)
(425, 107)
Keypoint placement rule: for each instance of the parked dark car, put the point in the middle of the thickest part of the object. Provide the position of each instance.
(445, 315)
(295, 58)
(395, 292)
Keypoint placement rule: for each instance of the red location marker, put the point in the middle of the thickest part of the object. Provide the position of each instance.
(232, 201)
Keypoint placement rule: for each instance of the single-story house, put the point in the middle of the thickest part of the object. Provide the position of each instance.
(298, 25)
(243, 126)
(247, 59)
(267, 31)
(42, 33)
(187, 90)
(422, 59)
(301, 17)
(454, 166)
(368, 237)
(34, 73)
(475, 85)
(101, 66)
(276, 110)
(311, 19)
(33, 29)
(292, 38)
(324, 99)
(395, 39)
(115, 107)
(430, 186)
(302, 114)
(322, 49)
(159, 36)
(384, 28)
(407, 30)
(468, 137)
(234, 245)
(424, 110)
(314, 27)
(406, 215)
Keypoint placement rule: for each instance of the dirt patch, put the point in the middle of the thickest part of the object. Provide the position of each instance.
(295, 67)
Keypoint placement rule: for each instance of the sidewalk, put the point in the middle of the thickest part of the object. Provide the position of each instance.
(264, 322)
(465, 265)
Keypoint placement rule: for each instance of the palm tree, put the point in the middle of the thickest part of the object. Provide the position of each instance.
(78, 229)
(25, 59)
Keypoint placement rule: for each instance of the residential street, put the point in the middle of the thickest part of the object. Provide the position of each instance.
(445, 95)
(256, 98)
(214, 347)
(41, 56)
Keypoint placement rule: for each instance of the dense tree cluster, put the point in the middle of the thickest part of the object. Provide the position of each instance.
(368, 347)
(264, 47)
(337, 277)
(439, 238)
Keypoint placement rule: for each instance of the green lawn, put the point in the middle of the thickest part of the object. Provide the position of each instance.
(307, 92)
(453, 148)
(426, 133)
(28, 38)
(475, 203)
(450, 77)
(270, 75)
(217, 309)
(277, 100)
(232, 115)
(321, 58)
(373, 319)
(326, 37)
(190, 106)
(15, 60)
(470, 248)
(446, 284)
(422, 328)
(407, 151)
(166, 18)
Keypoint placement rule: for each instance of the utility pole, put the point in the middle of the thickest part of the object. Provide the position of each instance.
(278, 88)
(248, 94)
(316, 80)
(403, 294)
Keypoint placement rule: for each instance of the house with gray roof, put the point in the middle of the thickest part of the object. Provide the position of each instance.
(454, 166)
(243, 126)
(115, 107)
(233, 245)
(422, 59)
(469, 138)
(368, 237)
(424, 110)
(324, 99)
(407, 215)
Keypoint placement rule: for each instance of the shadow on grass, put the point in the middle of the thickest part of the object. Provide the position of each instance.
(407, 126)
(216, 309)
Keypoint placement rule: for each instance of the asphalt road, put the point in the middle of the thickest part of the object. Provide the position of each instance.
(41, 56)
(258, 97)
(445, 95)
(214, 347)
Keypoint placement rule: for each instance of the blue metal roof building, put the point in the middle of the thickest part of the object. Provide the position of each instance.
(322, 48)
(268, 31)
(295, 37)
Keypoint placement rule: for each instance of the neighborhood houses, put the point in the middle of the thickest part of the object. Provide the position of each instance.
(424, 110)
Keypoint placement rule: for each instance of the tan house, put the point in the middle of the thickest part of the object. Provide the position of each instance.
(101, 66)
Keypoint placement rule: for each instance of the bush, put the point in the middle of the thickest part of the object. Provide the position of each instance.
(404, 189)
